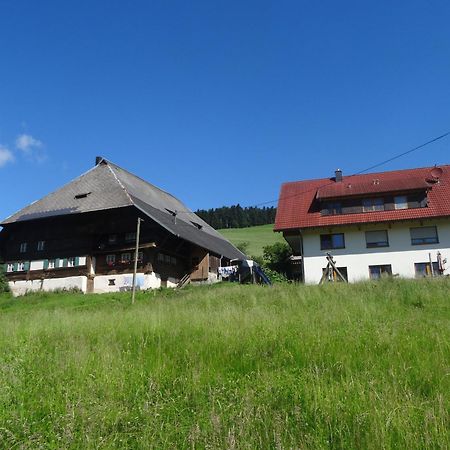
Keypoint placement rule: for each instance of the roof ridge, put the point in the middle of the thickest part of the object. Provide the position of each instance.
(110, 163)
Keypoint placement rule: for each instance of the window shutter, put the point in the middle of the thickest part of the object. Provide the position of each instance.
(77, 261)
(45, 264)
(16, 266)
(65, 262)
(26, 266)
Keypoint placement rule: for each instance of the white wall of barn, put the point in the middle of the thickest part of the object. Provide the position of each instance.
(21, 287)
(357, 258)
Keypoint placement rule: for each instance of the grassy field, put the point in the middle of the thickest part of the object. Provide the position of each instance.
(229, 366)
(257, 237)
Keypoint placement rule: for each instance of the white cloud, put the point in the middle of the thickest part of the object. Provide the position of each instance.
(27, 143)
(6, 156)
(31, 148)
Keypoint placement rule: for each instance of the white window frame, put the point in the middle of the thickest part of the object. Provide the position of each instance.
(10, 267)
(20, 267)
(51, 263)
(23, 247)
(71, 261)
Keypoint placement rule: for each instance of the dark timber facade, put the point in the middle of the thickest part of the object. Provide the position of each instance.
(84, 236)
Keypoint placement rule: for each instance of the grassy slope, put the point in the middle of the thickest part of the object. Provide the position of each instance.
(362, 366)
(257, 237)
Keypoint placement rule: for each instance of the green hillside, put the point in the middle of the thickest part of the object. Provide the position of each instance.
(257, 237)
(228, 366)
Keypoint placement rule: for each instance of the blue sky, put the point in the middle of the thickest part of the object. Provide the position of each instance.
(218, 102)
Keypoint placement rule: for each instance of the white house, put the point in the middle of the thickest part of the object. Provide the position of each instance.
(387, 223)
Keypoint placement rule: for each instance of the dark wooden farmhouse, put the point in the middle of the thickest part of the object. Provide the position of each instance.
(84, 236)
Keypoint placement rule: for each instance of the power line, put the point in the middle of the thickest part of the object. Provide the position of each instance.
(364, 170)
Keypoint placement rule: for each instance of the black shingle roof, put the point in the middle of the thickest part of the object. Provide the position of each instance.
(108, 186)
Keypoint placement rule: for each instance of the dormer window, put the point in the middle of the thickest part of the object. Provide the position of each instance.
(82, 195)
(23, 247)
(197, 225)
(373, 204)
(401, 202)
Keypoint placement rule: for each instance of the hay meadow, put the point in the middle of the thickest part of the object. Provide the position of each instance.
(229, 367)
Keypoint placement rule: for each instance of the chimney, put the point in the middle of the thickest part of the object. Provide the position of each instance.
(338, 175)
(98, 160)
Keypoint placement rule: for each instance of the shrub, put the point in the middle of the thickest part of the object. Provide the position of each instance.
(276, 257)
(4, 287)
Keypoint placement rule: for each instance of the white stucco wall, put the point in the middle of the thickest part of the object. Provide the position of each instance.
(125, 281)
(400, 254)
(23, 286)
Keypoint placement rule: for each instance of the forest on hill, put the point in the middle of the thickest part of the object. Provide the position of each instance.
(236, 216)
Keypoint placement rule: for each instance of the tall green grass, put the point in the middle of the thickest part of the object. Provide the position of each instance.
(229, 366)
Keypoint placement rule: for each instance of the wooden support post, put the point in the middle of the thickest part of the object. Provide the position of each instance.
(136, 253)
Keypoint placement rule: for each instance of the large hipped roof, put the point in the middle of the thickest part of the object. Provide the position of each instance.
(108, 186)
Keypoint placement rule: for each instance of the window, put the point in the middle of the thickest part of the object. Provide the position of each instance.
(126, 257)
(112, 238)
(51, 264)
(197, 225)
(130, 237)
(377, 238)
(424, 235)
(82, 195)
(334, 208)
(23, 247)
(401, 202)
(70, 262)
(167, 259)
(332, 241)
(10, 267)
(40, 246)
(20, 267)
(373, 204)
(424, 269)
(110, 259)
(376, 272)
(112, 282)
(173, 261)
(161, 257)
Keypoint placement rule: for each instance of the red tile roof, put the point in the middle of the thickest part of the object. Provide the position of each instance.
(296, 198)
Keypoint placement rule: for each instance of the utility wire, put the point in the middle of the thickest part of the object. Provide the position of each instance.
(393, 158)
(442, 136)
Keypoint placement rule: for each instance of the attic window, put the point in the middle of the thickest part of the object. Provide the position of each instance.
(197, 225)
(174, 213)
(83, 195)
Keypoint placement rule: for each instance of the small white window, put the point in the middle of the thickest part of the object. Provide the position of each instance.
(110, 259)
(51, 264)
(130, 237)
(10, 267)
(20, 267)
(40, 246)
(401, 202)
(71, 262)
(126, 257)
(23, 247)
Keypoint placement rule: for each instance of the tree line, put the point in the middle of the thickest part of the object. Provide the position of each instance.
(236, 216)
